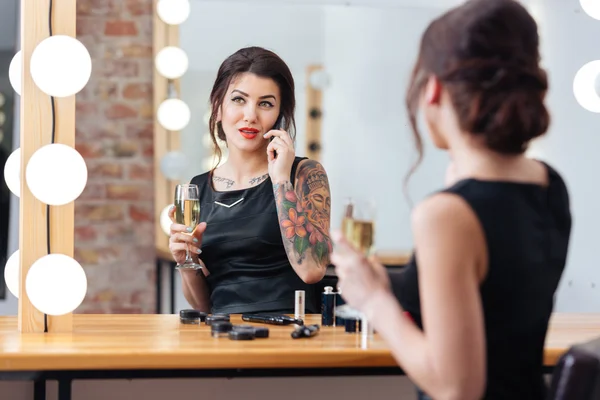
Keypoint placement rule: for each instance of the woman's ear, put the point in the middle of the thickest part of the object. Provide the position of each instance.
(433, 90)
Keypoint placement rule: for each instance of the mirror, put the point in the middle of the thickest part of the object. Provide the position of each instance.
(366, 49)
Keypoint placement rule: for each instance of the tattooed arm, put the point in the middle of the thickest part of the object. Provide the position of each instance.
(304, 218)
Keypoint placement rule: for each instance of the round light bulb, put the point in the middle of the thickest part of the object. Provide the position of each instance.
(173, 12)
(56, 174)
(173, 114)
(171, 62)
(591, 8)
(12, 172)
(585, 86)
(14, 72)
(56, 284)
(165, 221)
(319, 79)
(11, 273)
(60, 66)
(173, 165)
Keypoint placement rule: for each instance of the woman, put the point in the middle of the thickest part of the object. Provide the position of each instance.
(265, 212)
(490, 248)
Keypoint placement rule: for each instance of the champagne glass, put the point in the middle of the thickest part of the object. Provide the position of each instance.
(187, 212)
(358, 227)
(358, 224)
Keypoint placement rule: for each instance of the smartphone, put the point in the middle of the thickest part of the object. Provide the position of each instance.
(279, 124)
(272, 319)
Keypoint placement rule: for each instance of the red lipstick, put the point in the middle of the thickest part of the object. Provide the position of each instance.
(248, 133)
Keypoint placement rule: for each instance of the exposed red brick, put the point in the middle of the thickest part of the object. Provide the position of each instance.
(118, 111)
(99, 7)
(140, 131)
(105, 169)
(129, 192)
(85, 234)
(139, 7)
(143, 172)
(120, 28)
(137, 91)
(100, 212)
(137, 213)
(114, 217)
(89, 149)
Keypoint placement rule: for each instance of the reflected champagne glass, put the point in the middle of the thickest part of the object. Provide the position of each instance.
(187, 212)
(358, 225)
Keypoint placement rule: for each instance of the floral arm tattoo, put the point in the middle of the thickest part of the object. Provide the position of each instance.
(304, 214)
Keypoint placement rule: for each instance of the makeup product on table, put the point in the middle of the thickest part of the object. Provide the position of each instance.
(210, 319)
(339, 301)
(220, 329)
(259, 331)
(299, 304)
(191, 317)
(306, 331)
(272, 319)
(328, 307)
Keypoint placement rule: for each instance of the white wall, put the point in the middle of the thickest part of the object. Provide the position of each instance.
(216, 30)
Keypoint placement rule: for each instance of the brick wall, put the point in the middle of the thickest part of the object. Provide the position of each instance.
(114, 227)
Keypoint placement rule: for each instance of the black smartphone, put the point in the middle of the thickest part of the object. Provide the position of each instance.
(279, 124)
(272, 319)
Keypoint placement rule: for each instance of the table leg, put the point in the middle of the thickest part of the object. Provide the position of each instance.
(158, 286)
(64, 389)
(39, 389)
(172, 285)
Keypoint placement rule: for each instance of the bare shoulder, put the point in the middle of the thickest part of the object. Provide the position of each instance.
(446, 226)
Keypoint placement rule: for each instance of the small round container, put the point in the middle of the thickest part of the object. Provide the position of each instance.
(259, 331)
(352, 325)
(220, 329)
(190, 317)
(216, 318)
(242, 334)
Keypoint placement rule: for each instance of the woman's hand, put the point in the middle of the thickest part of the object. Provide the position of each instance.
(360, 279)
(181, 238)
(280, 164)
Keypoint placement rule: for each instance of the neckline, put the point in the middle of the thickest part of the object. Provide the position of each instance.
(236, 191)
(549, 171)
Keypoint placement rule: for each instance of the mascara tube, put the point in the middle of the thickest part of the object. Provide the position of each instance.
(299, 304)
(328, 307)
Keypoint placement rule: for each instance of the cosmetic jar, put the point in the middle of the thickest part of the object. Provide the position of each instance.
(242, 334)
(216, 318)
(191, 317)
(220, 329)
(352, 325)
(259, 331)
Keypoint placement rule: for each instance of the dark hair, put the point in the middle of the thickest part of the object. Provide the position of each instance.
(263, 63)
(485, 53)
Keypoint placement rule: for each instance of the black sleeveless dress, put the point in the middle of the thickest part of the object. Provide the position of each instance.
(527, 229)
(243, 250)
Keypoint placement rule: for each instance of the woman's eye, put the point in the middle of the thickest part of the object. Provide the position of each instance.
(237, 100)
(266, 104)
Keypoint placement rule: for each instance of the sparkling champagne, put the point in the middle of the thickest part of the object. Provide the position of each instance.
(187, 212)
(359, 233)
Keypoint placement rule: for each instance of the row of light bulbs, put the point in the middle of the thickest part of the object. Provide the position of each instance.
(56, 174)
(586, 85)
(173, 114)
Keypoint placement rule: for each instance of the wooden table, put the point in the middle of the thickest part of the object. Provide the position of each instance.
(155, 346)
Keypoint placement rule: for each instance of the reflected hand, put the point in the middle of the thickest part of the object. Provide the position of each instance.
(280, 167)
(359, 278)
(181, 238)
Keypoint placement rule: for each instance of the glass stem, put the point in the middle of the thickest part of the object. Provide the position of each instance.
(188, 258)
